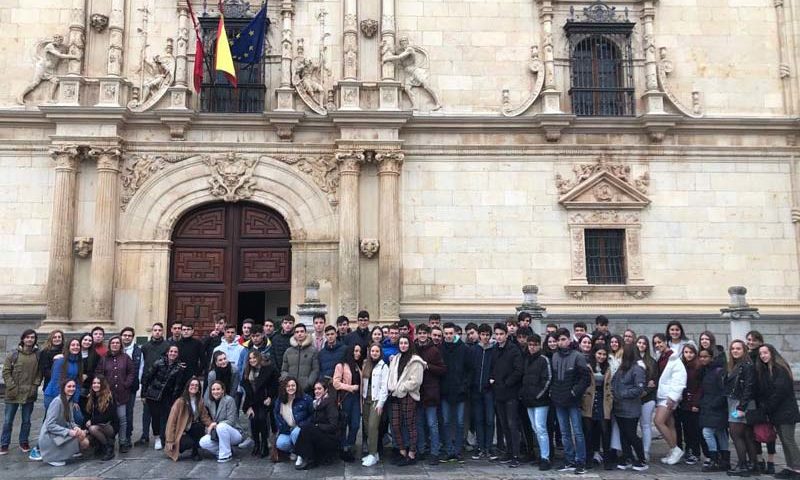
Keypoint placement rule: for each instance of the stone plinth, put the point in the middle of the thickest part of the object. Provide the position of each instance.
(530, 304)
(739, 313)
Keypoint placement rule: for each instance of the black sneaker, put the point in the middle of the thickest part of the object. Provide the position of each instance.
(640, 466)
(434, 460)
(544, 465)
(141, 442)
(567, 467)
(514, 463)
(458, 458)
(494, 456)
(580, 469)
(478, 455)
(506, 459)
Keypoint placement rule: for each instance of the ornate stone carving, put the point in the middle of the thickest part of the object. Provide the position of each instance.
(585, 170)
(349, 161)
(236, 8)
(307, 79)
(605, 217)
(160, 76)
(415, 62)
(106, 158)
(47, 56)
(369, 27)
(796, 215)
(599, 12)
(323, 170)
(67, 156)
(603, 185)
(350, 56)
(537, 69)
(98, 22)
(664, 68)
(389, 161)
(369, 247)
(82, 246)
(231, 177)
(578, 253)
(138, 169)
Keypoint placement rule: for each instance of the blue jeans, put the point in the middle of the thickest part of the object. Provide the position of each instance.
(483, 419)
(8, 422)
(146, 420)
(427, 416)
(716, 438)
(129, 416)
(351, 408)
(453, 434)
(286, 441)
(571, 423)
(538, 418)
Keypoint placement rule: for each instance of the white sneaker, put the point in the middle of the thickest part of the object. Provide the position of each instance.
(299, 461)
(158, 445)
(675, 456)
(370, 461)
(57, 464)
(247, 443)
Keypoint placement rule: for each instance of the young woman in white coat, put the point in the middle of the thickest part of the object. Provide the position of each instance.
(671, 383)
(374, 391)
(405, 379)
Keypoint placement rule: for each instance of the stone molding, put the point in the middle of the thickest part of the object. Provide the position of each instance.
(601, 185)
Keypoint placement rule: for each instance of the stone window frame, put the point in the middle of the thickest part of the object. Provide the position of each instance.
(603, 195)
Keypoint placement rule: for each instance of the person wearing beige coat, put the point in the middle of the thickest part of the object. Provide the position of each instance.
(188, 422)
(405, 379)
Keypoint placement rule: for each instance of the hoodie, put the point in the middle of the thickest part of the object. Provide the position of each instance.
(481, 358)
(301, 362)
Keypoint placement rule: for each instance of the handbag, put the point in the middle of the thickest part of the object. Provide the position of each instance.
(764, 432)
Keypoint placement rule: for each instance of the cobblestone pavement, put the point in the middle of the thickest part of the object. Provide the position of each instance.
(146, 463)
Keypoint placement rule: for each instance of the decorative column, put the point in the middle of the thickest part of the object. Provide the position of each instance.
(349, 87)
(312, 305)
(105, 232)
(178, 94)
(739, 313)
(654, 98)
(285, 91)
(551, 95)
(390, 163)
(69, 85)
(111, 84)
(349, 168)
(785, 65)
(389, 98)
(794, 180)
(62, 232)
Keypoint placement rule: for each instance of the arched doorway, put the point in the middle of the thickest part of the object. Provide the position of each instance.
(232, 258)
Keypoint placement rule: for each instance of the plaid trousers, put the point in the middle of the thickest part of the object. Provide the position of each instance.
(404, 411)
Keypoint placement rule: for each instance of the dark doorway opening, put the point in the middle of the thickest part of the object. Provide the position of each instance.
(251, 305)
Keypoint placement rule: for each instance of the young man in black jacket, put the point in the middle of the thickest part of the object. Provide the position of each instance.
(154, 349)
(571, 376)
(281, 340)
(535, 395)
(455, 384)
(506, 380)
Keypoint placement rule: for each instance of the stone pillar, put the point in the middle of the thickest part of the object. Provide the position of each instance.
(116, 30)
(71, 84)
(390, 163)
(551, 95)
(739, 313)
(530, 304)
(105, 233)
(62, 232)
(350, 40)
(285, 92)
(387, 37)
(785, 67)
(312, 305)
(181, 50)
(654, 98)
(349, 168)
(794, 173)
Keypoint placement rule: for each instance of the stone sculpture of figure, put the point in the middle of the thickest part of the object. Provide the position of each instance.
(160, 76)
(414, 61)
(307, 78)
(49, 54)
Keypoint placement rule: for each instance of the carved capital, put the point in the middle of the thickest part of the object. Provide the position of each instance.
(350, 161)
(66, 157)
(390, 161)
(108, 159)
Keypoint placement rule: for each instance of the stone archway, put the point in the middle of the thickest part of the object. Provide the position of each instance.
(154, 208)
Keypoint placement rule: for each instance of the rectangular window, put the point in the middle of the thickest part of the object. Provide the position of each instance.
(605, 256)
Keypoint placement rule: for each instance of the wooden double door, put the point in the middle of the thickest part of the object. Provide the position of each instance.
(231, 258)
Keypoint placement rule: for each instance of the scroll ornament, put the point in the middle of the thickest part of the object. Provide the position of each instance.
(536, 67)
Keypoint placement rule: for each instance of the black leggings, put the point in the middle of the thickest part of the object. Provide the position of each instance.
(191, 439)
(742, 435)
(259, 424)
(507, 412)
(159, 413)
(629, 438)
(690, 427)
(597, 434)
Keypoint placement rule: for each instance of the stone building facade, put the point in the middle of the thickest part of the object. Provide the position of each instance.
(633, 158)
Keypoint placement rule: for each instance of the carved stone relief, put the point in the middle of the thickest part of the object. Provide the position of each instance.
(308, 81)
(323, 170)
(98, 22)
(664, 68)
(415, 63)
(82, 246)
(584, 171)
(369, 27)
(160, 76)
(138, 169)
(536, 67)
(369, 247)
(231, 177)
(47, 57)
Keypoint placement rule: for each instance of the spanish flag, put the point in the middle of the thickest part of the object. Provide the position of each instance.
(223, 61)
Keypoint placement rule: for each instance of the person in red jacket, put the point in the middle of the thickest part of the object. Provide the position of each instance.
(120, 372)
(427, 414)
(688, 413)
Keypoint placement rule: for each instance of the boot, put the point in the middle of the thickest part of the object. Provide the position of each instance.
(256, 447)
(724, 460)
(742, 469)
(713, 466)
(264, 451)
(109, 452)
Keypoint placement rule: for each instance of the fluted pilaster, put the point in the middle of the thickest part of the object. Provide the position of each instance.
(389, 166)
(105, 232)
(349, 169)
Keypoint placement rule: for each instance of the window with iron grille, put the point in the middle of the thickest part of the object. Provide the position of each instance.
(216, 93)
(601, 62)
(605, 256)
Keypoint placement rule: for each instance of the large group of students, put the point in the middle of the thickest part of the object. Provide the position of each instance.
(426, 392)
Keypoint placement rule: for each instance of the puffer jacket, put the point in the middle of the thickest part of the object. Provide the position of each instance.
(431, 390)
(301, 410)
(280, 343)
(74, 363)
(265, 386)
(329, 356)
(410, 381)
(506, 372)
(776, 397)
(481, 360)
(389, 350)
(627, 387)
(536, 377)
(163, 381)
(120, 373)
(302, 363)
(713, 403)
(571, 378)
(22, 375)
(455, 383)
(672, 380)
(739, 384)
(379, 388)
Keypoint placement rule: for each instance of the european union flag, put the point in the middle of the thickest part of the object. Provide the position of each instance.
(248, 45)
